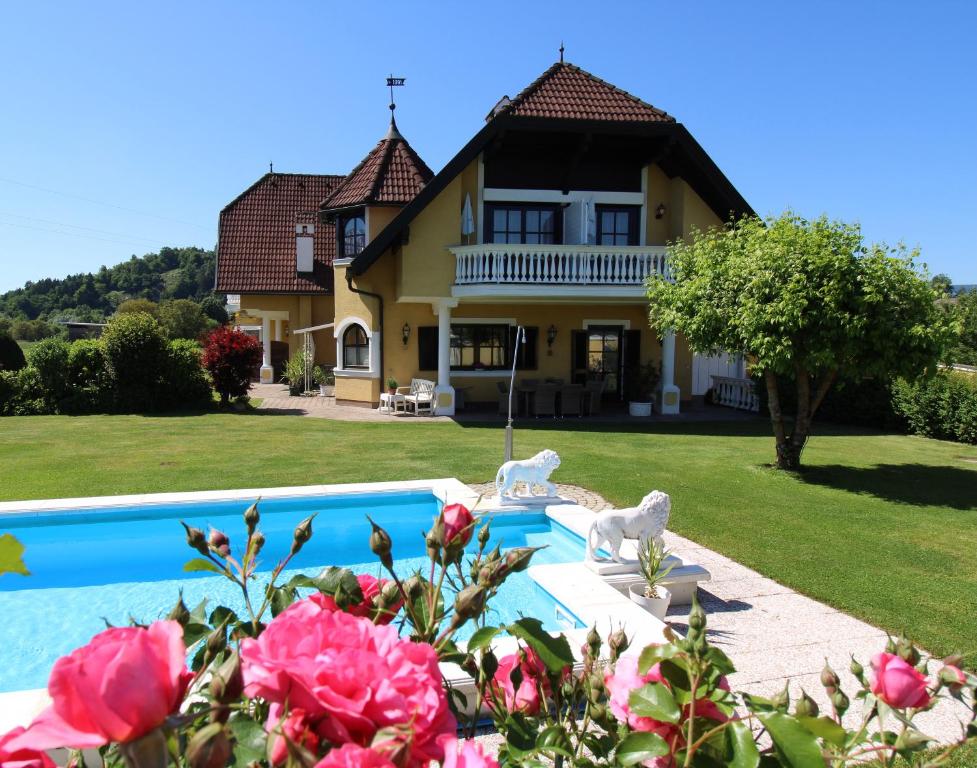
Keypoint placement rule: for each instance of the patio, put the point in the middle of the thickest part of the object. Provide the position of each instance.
(276, 399)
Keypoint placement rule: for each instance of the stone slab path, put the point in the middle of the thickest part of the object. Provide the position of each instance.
(774, 635)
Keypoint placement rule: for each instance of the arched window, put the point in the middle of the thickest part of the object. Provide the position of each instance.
(354, 235)
(356, 347)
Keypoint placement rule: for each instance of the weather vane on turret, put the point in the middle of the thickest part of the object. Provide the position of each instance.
(394, 82)
(561, 51)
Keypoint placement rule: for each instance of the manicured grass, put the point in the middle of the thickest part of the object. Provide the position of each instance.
(881, 526)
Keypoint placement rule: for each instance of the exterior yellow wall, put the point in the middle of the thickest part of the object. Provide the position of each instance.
(378, 217)
(659, 190)
(303, 311)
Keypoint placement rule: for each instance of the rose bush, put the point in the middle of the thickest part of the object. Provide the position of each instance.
(346, 673)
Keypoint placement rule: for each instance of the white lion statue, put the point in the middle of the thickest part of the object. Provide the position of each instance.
(534, 471)
(613, 526)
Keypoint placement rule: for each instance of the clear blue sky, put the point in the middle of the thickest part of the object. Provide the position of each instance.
(127, 126)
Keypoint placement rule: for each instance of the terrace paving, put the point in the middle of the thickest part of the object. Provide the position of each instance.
(774, 635)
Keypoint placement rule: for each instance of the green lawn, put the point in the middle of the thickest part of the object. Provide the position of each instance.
(881, 526)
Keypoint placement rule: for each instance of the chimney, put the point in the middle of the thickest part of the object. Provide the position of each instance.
(304, 240)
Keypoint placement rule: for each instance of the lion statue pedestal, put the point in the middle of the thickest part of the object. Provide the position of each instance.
(530, 474)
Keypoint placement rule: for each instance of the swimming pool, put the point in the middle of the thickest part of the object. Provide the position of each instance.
(94, 565)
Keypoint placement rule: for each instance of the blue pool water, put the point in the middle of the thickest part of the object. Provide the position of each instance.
(98, 565)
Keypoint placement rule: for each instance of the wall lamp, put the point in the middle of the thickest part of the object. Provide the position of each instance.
(660, 210)
(550, 335)
(406, 333)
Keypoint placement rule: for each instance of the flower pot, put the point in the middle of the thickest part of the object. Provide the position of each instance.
(639, 409)
(392, 390)
(656, 606)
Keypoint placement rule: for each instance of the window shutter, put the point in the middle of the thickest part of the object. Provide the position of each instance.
(527, 359)
(427, 348)
(578, 341)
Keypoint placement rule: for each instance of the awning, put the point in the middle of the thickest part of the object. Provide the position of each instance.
(312, 328)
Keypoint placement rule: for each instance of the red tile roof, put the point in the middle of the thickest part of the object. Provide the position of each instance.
(568, 92)
(256, 236)
(392, 174)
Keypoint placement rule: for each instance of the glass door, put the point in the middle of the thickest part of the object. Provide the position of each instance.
(604, 358)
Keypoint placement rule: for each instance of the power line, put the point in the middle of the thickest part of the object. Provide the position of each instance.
(100, 202)
(79, 226)
(69, 234)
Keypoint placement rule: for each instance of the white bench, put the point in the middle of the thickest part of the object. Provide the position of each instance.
(419, 396)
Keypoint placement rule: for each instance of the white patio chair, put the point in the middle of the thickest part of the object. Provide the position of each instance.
(420, 396)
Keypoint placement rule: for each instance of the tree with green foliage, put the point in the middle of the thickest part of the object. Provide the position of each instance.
(136, 352)
(802, 299)
(33, 330)
(183, 319)
(214, 307)
(964, 350)
(132, 306)
(11, 355)
(942, 284)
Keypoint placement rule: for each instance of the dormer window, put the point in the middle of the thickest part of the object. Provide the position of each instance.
(352, 234)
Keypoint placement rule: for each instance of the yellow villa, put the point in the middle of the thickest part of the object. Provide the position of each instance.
(550, 218)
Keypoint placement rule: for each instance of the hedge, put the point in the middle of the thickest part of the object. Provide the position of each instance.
(944, 406)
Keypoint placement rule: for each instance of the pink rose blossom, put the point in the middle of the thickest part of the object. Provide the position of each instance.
(293, 728)
(371, 587)
(621, 683)
(526, 698)
(23, 757)
(118, 688)
(354, 756)
(458, 525)
(351, 677)
(898, 683)
(465, 754)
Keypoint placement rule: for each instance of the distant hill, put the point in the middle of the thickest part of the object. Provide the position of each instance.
(958, 289)
(172, 273)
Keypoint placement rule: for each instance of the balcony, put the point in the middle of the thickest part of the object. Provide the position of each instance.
(514, 270)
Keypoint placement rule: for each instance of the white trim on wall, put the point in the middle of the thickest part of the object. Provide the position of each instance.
(626, 324)
(483, 321)
(480, 202)
(373, 337)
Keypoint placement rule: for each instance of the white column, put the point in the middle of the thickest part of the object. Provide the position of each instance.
(266, 375)
(444, 393)
(278, 329)
(670, 395)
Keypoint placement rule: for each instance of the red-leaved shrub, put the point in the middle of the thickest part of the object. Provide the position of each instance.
(230, 356)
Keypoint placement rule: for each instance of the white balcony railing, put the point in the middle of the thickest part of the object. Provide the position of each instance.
(735, 393)
(611, 265)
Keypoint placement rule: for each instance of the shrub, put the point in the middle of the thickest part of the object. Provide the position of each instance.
(230, 357)
(8, 392)
(213, 307)
(137, 354)
(183, 319)
(33, 330)
(21, 393)
(185, 383)
(91, 386)
(11, 355)
(49, 358)
(944, 406)
(132, 306)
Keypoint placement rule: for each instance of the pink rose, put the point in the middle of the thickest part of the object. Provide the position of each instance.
(898, 683)
(621, 683)
(294, 728)
(23, 757)
(354, 756)
(465, 754)
(525, 698)
(119, 687)
(458, 525)
(351, 677)
(371, 587)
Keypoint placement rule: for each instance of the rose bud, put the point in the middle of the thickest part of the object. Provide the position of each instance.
(618, 643)
(389, 596)
(952, 677)
(458, 525)
(415, 586)
(251, 517)
(517, 559)
(219, 542)
(257, 542)
(782, 700)
(697, 616)
(857, 670)
(598, 711)
(229, 673)
(840, 702)
(483, 536)
(217, 640)
(180, 612)
(592, 647)
(806, 706)
(470, 602)
(829, 678)
(490, 664)
(906, 651)
(303, 532)
(470, 666)
(196, 539)
(381, 545)
(148, 751)
(209, 747)
(433, 541)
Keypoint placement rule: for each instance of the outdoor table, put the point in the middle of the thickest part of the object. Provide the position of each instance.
(392, 403)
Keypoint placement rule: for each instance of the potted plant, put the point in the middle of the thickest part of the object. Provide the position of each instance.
(645, 382)
(324, 380)
(392, 385)
(294, 374)
(650, 594)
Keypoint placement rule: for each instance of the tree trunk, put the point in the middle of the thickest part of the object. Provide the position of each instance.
(777, 419)
(789, 457)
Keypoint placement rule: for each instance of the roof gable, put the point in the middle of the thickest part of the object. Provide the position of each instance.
(256, 236)
(569, 92)
(391, 174)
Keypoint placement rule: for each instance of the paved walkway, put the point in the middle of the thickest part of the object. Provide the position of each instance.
(773, 634)
(276, 399)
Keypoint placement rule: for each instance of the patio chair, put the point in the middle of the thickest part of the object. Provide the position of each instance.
(546, 402)
(594, 388)
(571, 400)
(555, 382)
(419, 396)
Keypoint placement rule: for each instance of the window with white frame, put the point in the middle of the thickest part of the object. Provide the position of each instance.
(356, 347)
